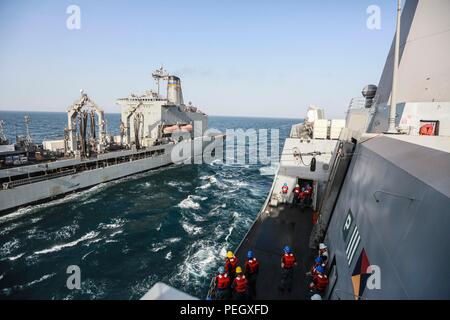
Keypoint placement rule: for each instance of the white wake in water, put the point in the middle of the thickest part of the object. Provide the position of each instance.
(191, 229)
(59, 247)
(115, 223)
(189, 203)
(8, 247)
(162, 245)
(7, 291)
(198, 262)
(16, 257)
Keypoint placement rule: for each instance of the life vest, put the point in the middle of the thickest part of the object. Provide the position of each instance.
(320, 282)
(426, 130)
(251, 266)
(302, 195)
(297, 191)
(231, 264)
(240, 284)
(289, 260)
(222, 281)
(284, 189)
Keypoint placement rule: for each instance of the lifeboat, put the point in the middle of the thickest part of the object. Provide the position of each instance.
(186, 128)
(171, 129)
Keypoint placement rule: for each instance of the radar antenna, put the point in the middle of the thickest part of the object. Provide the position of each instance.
(27, 121)
(159, 74)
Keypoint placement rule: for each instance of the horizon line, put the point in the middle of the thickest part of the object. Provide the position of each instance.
(209, 115)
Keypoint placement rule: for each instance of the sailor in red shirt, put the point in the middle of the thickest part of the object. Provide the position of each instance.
(308, 194)
(284, 192)
(240, 286)
(251, 272)
(288, 262)
(308, 188)
(297, 191)
(230, 265)
(222, 285)
(320, 280)
(302, 197)
(317, 262)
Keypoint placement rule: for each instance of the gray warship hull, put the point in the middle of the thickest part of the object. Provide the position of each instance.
(395, 201)
(383, 207)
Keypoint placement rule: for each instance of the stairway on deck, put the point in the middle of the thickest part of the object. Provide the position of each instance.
(283, 225)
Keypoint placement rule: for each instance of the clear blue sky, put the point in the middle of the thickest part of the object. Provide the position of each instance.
(249, 58)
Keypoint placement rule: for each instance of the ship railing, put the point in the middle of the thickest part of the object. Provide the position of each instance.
(16, 183)
(363, 103)
(357, 103)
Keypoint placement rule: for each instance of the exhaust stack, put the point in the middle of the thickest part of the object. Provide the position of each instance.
(174, 93)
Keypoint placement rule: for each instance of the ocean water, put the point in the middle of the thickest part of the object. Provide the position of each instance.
(172, 224)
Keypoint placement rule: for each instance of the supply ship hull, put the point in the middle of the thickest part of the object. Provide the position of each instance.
(34, 185)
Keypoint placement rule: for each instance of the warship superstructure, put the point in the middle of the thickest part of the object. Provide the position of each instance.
(151, 126)
(381, 182)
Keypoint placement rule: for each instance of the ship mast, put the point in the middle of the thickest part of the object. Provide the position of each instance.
(393, 108)
(27, 121)
(159, 74)
(3, 139)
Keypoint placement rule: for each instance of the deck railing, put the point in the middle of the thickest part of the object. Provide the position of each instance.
(16, 183)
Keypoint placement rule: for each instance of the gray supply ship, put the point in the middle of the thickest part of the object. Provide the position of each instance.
(151, 127)
(380, 179)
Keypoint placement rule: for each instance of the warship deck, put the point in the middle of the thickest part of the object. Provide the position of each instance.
(273, 229)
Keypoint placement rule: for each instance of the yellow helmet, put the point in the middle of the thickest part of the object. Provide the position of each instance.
(230, 254)
(238, 270)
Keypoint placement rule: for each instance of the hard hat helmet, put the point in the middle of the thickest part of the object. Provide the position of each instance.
(287, 249)
(250, 254)
(297, 186)
(238, 270)
(285, 184)
(303, 189)
(320, 269)
(318, 260)
(230, 254)
(322, 246)
(316, 297)
(221, 270)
